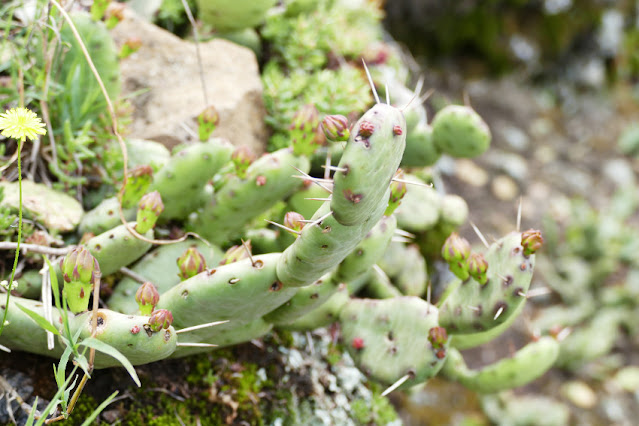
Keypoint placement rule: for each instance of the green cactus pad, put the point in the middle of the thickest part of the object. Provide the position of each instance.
(305, 300)
(406, 268)
(141, 151)
(460, 132)
(117, 247)
(526, 365)
(420, 148)
(104, 216)
(473, 307)
(325, 314)
(228, 292)
(370, 160)
(268, 180)
(420, 207)
(227, 16)
(389, 338)
(368, 251)
(159, 267)
(126, 333)
(182, 180)
(299, 203)
(321, 247)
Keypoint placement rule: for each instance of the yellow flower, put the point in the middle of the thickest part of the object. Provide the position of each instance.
(21, 123)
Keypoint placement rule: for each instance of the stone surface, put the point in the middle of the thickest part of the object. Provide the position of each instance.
(164, 76)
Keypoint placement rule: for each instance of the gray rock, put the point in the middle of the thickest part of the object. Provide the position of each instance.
(166, 72)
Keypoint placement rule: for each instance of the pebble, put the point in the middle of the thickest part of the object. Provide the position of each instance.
(471, 173)
(504, 188)
(580, 394)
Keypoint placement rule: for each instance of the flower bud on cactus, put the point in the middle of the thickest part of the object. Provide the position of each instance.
(162, 318)
(455, 252)
(236, 253)
(335, 128)
(149, 210)
(477, 267)
(191, 263)
(242, 158)
(531, 241)
(294, 221)
(397, 192)
(438, 337)
(138, 181)
(79, 269)
(147, 297)
(303, 130)
(129, 47)
(207, 121)
(114, 14)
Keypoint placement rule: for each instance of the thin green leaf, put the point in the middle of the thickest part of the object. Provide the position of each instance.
(98, 410)
(110, 350)
(31, 417)
(55, 399)
(39, 319)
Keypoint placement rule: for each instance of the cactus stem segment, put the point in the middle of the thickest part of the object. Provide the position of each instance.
(200, 326)
(397, 384)
(286, 228)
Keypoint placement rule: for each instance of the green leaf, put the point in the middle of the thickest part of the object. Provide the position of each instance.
(99, 345)
(39, 319)
(98, 410)
(31, 418)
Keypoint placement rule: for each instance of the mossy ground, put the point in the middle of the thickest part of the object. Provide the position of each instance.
(253, 383)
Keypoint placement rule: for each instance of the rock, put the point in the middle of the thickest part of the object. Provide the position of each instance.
(504, 188)
(471, 173)
(56, 210)
(579, 393)
(166, 71)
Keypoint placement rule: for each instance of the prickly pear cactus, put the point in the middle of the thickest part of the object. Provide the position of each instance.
(474, 307)
(389, 339)
(459, 131)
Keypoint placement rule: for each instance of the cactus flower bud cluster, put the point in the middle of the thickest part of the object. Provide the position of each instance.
(80, 271)
(294, 221)
(149, 210)
(236, 253)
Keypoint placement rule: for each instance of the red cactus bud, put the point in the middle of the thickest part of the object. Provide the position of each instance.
(306, 119)
(149, 209)
(138, 181)
(147, 297)
(79, 265)
(242, 158)
(477, 267)
(366, 129)
(191, 263)
(335, 128)
(160, 319)
(358, 343)
(437, 337)
(236, 253)
(294, 221)
(531, 241)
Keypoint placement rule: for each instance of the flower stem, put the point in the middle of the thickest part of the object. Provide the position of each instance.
(15, 259)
